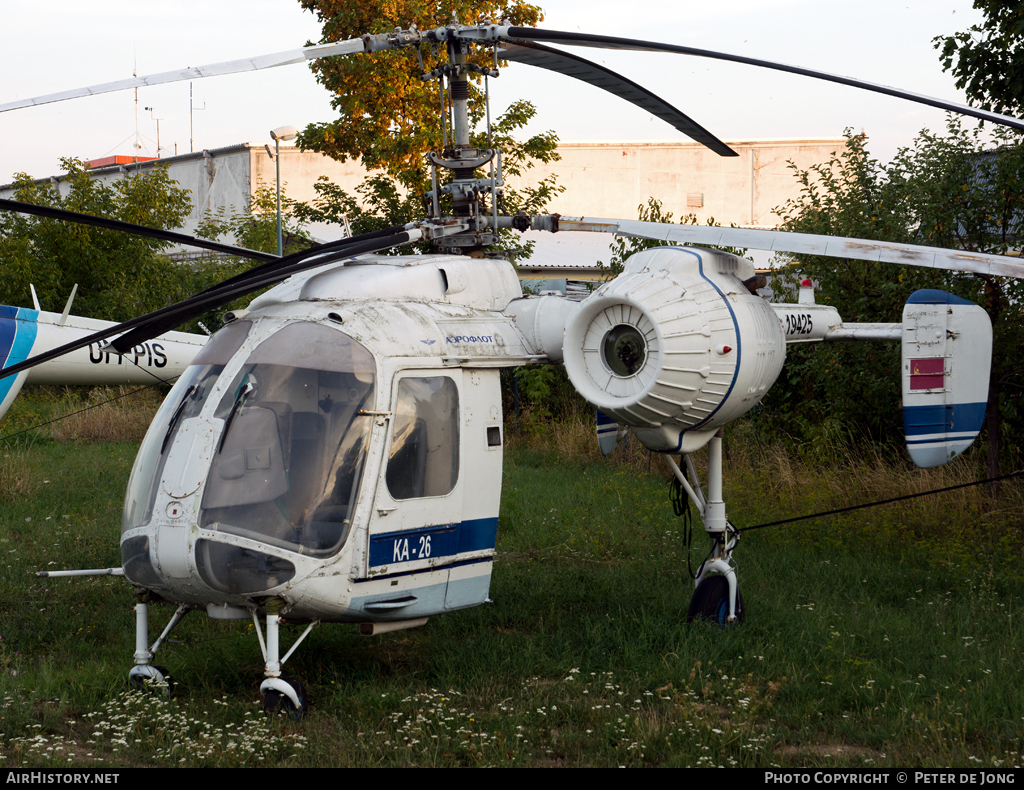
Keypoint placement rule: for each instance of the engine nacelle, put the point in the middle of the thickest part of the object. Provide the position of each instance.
(676, 346)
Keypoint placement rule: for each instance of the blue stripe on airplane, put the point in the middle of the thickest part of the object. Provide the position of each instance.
(17, 336)
(933, 296)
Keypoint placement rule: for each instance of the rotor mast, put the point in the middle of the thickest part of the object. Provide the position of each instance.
(461, 158)
(459, 91)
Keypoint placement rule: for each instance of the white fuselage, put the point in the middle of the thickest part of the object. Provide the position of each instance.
(163, 358)
(338, 447)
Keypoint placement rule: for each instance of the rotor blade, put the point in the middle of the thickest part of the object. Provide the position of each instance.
(129, 227)
(138, 330)
(349, 47)
(278, 263)
(805, 244)
(164, 320)
(606, 79)
(524, 34)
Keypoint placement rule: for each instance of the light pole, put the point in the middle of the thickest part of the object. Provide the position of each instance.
(150, 110)
(277, 135)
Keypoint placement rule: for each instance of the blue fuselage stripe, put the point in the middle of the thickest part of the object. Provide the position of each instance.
(443, 540)
(431, 569)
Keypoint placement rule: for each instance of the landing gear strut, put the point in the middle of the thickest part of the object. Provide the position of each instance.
(145, 674)
(280, 694)
(716, 597)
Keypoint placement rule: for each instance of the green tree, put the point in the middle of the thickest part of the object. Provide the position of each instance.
(951, 190)
(255, 225)
(119, 275)
(988, 59)
(388, 117)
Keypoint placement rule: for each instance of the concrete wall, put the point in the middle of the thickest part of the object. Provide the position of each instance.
(614, 179)
(228, 177)
(601, 179)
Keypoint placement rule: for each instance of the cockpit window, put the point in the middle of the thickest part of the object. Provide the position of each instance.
(291, 453)
(186, 399)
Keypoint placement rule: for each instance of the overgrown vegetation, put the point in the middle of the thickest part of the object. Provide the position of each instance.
(886, 637)
(950, 190)
(118, 275)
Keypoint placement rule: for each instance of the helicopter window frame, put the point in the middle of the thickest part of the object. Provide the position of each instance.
(186, 399)
(425, 442)
(273, 427)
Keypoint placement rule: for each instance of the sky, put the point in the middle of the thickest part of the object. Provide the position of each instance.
(55, 45)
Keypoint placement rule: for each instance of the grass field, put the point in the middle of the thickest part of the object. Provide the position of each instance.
(884, 637)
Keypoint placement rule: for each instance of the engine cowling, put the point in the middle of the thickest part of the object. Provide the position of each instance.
(675, 346)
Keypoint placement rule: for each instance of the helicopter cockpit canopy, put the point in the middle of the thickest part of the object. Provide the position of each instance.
(288, 456)
(293, 445)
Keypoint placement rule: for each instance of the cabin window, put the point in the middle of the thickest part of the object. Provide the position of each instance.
(424, 457)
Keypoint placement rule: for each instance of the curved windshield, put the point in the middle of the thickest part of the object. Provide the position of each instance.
(185, 400)
(291, 453)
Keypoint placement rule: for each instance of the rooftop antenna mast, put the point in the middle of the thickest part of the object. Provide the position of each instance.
(135, 73)
(151, 115)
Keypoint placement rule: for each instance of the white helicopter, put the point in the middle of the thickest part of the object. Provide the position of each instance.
(334, 453)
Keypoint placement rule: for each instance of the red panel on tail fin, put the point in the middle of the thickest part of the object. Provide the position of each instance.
(927, 374)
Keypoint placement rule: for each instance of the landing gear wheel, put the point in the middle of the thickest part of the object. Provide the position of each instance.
(149, 677)
(277, 703)
(711, 602)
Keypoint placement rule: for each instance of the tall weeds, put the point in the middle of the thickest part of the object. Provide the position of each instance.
(105, 414)
(792, 481)
(16, 480)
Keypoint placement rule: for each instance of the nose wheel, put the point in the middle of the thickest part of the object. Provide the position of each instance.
(284, 696)
(281, 695)
(144, 675)
(149, 677)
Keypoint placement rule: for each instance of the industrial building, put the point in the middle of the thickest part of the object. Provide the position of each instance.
(601, 179)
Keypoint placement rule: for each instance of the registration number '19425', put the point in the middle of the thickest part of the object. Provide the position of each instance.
(798, 324)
